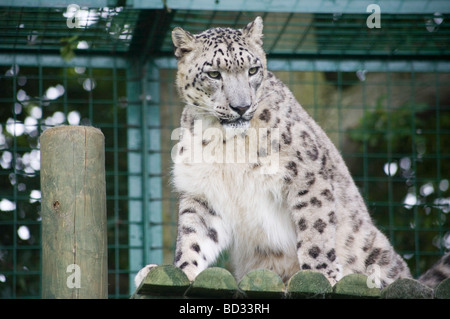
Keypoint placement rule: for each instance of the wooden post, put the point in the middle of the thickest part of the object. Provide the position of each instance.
(74, 238)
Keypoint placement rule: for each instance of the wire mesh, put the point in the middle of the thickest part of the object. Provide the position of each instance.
(381, 95)
(33, 99)
(90, 30)
(330, 33)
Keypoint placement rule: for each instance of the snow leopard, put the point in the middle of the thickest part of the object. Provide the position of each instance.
(257, 176)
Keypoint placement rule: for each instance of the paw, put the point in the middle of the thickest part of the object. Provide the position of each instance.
(189, 270)
(191, 274)
(334, 276)
(142, 274)
(332, 281)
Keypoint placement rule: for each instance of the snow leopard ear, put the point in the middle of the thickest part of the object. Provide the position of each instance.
(253, 31)
(183, 41)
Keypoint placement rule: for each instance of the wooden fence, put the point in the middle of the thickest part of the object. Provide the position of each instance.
(73, 209)
(170, 282)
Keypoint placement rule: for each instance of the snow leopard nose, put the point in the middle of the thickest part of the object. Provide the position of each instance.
(240, 109)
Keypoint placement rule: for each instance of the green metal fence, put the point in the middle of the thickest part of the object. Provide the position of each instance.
(381, 94)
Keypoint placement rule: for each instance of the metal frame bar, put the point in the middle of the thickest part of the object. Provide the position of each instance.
(306, 6)
(144, 161)
(339, 64)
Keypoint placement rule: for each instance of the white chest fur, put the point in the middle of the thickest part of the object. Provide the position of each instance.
(250, 204)
(247, 195)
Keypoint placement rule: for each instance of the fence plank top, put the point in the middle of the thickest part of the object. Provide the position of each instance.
(165, 280)
(262, 283)
(215, 282)
(308, 284)
(355, 286)
(405, 288)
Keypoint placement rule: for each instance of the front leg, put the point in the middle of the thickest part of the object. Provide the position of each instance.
(313, 212)
(201, 236)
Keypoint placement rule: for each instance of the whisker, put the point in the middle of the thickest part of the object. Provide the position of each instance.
(205, 109)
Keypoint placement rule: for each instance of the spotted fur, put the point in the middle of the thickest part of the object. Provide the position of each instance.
(306, 215)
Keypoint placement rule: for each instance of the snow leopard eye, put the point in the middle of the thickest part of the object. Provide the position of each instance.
(214, 75)
(253, 71)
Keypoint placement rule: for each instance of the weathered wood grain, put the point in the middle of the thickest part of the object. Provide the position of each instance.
(213, 282)
(308, 284)
(74, 234)
(405, 288)
(355, 286)
(262, 283)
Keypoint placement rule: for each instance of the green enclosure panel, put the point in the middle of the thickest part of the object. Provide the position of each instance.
(144, 142)
(381, 94)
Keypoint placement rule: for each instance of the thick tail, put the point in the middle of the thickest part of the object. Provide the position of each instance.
(437, 273)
